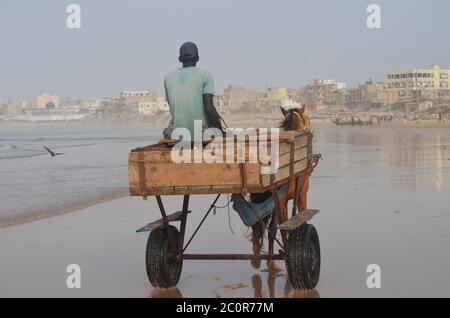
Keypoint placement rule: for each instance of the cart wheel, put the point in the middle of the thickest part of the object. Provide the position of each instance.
(162, 271)
(303, 257)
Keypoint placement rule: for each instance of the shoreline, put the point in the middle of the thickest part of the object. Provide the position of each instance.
(423, 123)
(66, 208)
(233, 120)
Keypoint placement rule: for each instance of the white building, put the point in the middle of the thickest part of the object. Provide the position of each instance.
(432, 77)
(125, 94)
(51, 114)
(289, 103)
(338, 85)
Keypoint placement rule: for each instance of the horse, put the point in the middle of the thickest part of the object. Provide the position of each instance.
(294, 119)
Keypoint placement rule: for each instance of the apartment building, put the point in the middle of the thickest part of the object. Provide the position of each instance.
(432, 77)
(153, 107)
(42, 100)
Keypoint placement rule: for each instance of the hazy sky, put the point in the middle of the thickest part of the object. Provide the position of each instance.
(133, 44)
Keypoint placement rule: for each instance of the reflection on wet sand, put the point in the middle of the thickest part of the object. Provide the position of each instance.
(258, 289)
(426, 153)
(288, 291)
(166, 293)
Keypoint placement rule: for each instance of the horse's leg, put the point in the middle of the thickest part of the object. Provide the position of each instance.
(284, 216)
(271, 264)
(303, 193)
(295, 197)
(288, 195)
(276, 215)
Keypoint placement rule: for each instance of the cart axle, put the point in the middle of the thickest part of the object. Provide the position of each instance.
(243, 257)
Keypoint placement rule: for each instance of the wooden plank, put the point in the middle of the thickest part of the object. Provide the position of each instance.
(150, 148)
(299, 154)
(284, 172)
(165, 154)
(159, 223)
(251, 151)
(209, 189)
(300, 142)
(298, 220)
(282, 136)
(170, 174)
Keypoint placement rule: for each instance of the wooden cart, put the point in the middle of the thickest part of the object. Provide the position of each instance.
(153, 172)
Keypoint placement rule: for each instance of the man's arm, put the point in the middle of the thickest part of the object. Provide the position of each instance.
(168, 131)
(212, 116)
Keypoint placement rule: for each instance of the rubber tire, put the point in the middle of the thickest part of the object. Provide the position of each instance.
(303, 272)
(162, 273)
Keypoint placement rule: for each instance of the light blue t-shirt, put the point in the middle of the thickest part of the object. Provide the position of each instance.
(185, 88)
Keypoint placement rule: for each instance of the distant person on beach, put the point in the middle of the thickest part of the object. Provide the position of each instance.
(190, 93)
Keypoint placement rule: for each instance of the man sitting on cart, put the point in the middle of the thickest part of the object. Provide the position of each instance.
(190, 92)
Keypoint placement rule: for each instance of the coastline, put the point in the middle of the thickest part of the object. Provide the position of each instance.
(417, 124)
(45, 213)
(232, 119)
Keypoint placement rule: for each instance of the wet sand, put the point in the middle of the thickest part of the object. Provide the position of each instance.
(383, 196)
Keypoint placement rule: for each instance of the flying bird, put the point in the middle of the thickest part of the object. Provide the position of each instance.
(52, 153)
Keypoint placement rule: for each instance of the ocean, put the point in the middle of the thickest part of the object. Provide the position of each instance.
(92, 169)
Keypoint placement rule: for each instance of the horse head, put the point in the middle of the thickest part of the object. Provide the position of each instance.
(295, 119)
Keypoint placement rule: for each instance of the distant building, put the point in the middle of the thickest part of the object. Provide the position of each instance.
(51, 114)
(276, 94)
(131, 94)
(353, 98)
(418, 88)
(222, 102)
(432, 77)
(130, 100)
(42, 100)
(12, 109)
(424, 106)
(110, 105)
(154, 107)
(324, 92)
(275, 97)
(236, 98)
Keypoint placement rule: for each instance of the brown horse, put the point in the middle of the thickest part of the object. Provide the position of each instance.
(294, 119)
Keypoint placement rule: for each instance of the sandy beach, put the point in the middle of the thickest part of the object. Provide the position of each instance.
(383, 199)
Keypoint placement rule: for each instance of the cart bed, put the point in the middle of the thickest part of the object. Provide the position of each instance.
(152, 171)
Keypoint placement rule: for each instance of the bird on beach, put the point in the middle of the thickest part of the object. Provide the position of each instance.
(52, 153)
